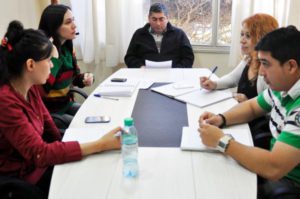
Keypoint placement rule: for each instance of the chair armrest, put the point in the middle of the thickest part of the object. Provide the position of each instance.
(59, 118)
(264, 135)
(78, 91)
(278, 190)
(14, 188)
(262, 140)
(261, 133)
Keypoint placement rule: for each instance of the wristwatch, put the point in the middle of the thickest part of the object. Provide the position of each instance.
(224, 142)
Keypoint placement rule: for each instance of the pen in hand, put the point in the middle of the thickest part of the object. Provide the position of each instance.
(206, 83)
(105, 97)
(213, 71)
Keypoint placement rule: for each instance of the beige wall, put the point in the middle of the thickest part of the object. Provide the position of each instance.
(208, 60)
(26, 11)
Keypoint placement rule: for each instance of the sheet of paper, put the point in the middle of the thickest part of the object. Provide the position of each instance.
(202, 98)
(156, 64)
(191, 140)
(83, 135)
(183, 85)
(177, 89)
(145, 84)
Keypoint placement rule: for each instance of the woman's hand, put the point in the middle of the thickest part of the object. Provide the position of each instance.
(207, 83)
(240, 97)
(110, 140)
(107, 142)
(88, 79)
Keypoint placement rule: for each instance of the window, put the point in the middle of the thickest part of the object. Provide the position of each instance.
(207, 23)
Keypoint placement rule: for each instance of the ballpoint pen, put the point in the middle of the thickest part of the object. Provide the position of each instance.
(212, 72)
(105, 97)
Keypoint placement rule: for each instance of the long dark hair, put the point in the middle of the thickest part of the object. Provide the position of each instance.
(52, 18)
(17, 46)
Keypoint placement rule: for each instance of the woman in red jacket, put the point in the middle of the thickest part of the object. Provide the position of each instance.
(29, 140)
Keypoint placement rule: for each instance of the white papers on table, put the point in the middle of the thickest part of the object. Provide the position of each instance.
(183, 85)
(202, 98)
(145, 84)
(156, 64)
(83, 135)
(128, 83)
(190, 139)
(125, 91)
(117, 89)
(177, 89)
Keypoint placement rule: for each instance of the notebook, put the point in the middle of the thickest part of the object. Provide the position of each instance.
(202, 98)
(190, 139)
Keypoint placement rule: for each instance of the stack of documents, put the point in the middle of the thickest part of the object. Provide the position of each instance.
(118, 89)
(191, 140)
(176, 89)
(191, 93)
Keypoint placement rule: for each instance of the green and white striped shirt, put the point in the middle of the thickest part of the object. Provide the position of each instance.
(285, 118)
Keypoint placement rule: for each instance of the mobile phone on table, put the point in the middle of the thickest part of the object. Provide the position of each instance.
(97, 119)
(118, 79)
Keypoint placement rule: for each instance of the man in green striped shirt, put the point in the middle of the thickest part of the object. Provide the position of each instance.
(279, 56)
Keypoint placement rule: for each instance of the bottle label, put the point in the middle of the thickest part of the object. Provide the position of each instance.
(129, 139)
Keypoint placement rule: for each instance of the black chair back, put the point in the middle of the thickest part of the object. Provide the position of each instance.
(14, 188)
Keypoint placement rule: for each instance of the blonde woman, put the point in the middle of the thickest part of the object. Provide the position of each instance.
(245, 75)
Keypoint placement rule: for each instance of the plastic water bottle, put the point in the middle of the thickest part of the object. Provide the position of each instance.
(130, 149)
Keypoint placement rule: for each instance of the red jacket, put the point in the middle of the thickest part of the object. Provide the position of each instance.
(29, 139)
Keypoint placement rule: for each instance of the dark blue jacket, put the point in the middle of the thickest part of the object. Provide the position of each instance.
(175, 46)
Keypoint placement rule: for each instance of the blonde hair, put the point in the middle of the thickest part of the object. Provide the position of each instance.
(259, 25)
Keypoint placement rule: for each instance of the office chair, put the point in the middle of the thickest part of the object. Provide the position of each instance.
(14, 188)
(274, 190)
(263, 134)
(61, 123)
(78, 91)
(278, 190)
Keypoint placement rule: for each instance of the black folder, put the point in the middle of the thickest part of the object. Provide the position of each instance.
(159, 119)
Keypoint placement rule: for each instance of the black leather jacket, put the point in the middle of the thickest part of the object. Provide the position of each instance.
(175, 46)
